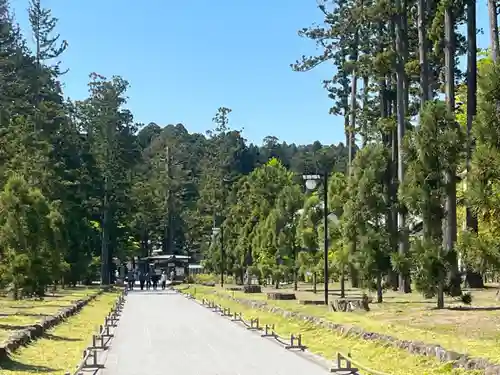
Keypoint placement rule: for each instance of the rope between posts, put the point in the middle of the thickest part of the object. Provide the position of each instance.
(345, 364)
(294, 341)
(103, 335)
(354, 365)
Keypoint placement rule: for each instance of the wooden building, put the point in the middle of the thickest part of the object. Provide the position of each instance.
(168, 262)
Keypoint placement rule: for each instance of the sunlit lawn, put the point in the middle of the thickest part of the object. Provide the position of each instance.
(15, 315)
(327, 343)
(475, 331)
(60, 350)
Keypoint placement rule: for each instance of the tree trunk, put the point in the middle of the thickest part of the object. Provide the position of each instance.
(105, 274)
(354, 276)
(422, 48)
(242, 276)
(314, 282)
(450, 235)
(472, 279)
(389, 172)
(111, 264)
(347, 132)
(144, 246)
(295, 279)
(380, 297)
(169, 204)
(406, 81)
(440, 295)
(352, 122)
(404, 282)
(471, 219)
(352, 127)
(492, 14)
(366, 93)
(345, 102)
(342, 282)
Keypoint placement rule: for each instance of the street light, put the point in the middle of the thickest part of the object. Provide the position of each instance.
(311, 182)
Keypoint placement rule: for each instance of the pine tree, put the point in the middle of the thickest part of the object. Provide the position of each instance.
(433, 150)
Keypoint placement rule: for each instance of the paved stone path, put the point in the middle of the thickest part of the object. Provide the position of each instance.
(163, 333)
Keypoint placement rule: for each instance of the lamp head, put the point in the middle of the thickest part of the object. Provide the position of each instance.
(311, 181)
(311, 184)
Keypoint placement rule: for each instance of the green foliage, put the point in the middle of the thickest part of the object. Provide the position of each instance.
(485, 177)
(309, 259)
(430, 266)
(433, 151)
(29, 238)
(366, 210)
(481, 252)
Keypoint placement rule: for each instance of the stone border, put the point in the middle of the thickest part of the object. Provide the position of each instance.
(35, 331)
(459, 360)
(94, 356)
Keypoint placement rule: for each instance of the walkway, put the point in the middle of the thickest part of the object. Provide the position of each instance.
(163, 333)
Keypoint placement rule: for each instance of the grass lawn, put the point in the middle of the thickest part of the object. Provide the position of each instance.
(61, 348)
(15, 315)
(475, 331)
(327, 343)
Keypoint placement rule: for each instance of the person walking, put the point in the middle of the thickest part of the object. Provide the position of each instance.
(142, 279)
(148, 281)
(163, 280)
(131, 280)
(154, 279)
(172, 276)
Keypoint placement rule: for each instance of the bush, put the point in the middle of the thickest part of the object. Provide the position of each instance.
(466, 298)
(204, 278)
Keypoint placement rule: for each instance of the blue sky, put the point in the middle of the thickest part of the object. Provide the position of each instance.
(184, 59)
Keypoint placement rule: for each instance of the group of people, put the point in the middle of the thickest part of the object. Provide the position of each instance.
(148, 280)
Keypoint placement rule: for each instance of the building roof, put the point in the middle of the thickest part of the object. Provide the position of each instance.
(168, 257)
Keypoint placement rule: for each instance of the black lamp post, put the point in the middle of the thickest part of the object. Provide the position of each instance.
(311, 183)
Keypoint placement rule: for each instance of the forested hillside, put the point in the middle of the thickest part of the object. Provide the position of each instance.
(192, 175)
